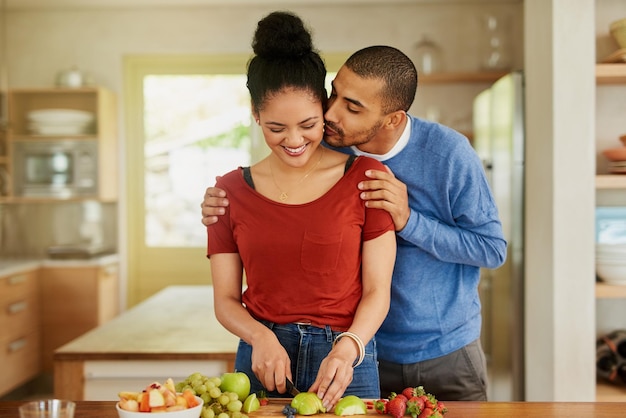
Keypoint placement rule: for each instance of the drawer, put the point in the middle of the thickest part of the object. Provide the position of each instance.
(17, 285)
(20, 360)
(18, 315)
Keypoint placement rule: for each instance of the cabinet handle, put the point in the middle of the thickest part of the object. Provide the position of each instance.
(17, 307)
(17, 345)
(19, 279)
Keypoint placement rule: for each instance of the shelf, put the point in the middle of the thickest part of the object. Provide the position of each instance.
(606, 392)
(611, 181)
(610, 73)
(461, 77)
(608, 291)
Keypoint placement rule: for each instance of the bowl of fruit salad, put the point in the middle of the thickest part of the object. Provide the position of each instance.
(159, 398)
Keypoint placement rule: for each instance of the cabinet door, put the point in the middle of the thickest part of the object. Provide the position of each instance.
(19, 329)
(19, 312)
(73, 301)
(108, 293)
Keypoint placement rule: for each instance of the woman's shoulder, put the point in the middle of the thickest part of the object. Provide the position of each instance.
(366, 162)
(231, 178)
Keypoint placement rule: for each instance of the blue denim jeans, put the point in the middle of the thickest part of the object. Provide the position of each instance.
(307, 346)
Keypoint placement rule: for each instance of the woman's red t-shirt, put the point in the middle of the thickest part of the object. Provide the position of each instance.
(302, 262)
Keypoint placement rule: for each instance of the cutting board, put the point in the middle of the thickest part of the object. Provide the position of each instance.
(276, 405)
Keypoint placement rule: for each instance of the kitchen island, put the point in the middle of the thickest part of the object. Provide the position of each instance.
(172, 334)
(106, 409)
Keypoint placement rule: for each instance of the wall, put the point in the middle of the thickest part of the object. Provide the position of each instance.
(41, 42)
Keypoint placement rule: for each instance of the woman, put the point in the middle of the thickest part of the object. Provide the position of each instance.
(318, 264)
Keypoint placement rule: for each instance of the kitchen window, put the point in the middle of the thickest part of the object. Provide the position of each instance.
(187, 120)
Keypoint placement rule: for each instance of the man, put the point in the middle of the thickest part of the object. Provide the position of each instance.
(445, 218)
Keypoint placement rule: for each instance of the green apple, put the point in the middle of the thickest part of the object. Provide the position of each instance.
(350, 405)
(236, 382)
(251, 403)
(307, 403)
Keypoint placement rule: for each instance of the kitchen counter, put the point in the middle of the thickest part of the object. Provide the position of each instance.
(9, 266)
(106, 409)
(173, 330)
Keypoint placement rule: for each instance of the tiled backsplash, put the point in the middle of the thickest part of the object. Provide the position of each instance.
(27, 230)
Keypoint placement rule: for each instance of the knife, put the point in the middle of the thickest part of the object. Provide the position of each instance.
(291, 387)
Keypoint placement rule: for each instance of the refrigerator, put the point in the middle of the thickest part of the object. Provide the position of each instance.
(498, 122)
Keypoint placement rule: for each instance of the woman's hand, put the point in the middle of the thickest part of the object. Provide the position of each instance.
(335, 373)
(270, 363)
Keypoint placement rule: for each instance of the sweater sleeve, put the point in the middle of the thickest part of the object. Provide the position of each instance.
(473, 233)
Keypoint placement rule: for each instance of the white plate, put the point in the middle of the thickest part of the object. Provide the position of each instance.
(611, 225)
(59, 130)
(60, 116)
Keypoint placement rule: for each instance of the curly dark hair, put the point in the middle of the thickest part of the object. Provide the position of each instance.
(394, 68)
(284, 57)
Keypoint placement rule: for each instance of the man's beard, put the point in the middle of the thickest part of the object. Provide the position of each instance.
(358, 138)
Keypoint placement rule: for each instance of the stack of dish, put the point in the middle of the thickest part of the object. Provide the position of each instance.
(611, 263)
(60, 122)
(611, 244)
(617, 157)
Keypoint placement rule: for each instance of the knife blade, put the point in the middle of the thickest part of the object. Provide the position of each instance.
(291, 388)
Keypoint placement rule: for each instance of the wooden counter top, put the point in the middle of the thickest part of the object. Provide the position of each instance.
(106, 409)
(177, 322)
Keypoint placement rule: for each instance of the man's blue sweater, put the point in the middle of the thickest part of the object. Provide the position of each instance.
(452, 232)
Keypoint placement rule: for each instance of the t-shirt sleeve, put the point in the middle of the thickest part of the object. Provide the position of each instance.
(377, 221)
(220, 237)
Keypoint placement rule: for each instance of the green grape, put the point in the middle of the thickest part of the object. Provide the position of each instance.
(207, 413)
(223, 415)
(234, 405)
(200, 389)
(233, 396)
(215, 393)
(238, 415)
(209, 384)
(195, 376)
(206, 398)
(223, 399)
(217, 381)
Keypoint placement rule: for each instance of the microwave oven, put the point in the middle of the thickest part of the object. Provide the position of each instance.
(63, 168)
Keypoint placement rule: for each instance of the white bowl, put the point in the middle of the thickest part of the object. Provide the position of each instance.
(186, 413)
(612, 273)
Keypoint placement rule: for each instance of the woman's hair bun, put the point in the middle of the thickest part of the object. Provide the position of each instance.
(281, 35)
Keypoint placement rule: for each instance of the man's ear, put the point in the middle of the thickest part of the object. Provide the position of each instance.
(395, 119)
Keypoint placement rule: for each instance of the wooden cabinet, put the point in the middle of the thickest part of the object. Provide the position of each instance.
(99, 101)
(19, 329)
(75, 300)
(610, 74)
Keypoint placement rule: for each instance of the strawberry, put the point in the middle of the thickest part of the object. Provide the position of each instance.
(380, 405)
(409, 392)
(396, 407)
(426, 413)
(441, 407)
(262, 397)
(414, 406)
(428, 401)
